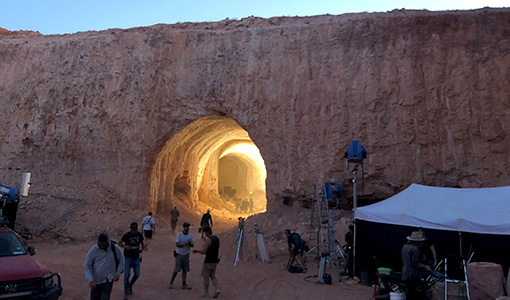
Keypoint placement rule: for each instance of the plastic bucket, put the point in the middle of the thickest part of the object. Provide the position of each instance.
(397, 296)
(384, 271)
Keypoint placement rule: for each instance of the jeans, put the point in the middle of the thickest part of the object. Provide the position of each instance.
(131, 263)
(101, 291)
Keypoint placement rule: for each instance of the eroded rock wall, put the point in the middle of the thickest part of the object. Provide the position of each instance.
(426, 93)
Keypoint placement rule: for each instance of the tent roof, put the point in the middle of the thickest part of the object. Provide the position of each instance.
(483, 210)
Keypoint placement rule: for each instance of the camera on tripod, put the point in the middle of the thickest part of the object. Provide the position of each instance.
(241, 223)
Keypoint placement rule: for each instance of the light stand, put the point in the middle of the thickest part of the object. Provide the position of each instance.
(240, 241)
(354, 189)
(356, 153)
(354, 206)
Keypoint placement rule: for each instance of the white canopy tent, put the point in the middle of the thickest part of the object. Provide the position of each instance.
(481, 210)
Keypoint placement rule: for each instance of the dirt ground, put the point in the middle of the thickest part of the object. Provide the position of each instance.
(250, 279)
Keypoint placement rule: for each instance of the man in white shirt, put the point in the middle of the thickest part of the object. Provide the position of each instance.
(184, 242)
(149, 228)
(102, 267)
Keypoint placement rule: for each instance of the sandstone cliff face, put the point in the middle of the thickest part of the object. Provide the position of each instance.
(426, 93)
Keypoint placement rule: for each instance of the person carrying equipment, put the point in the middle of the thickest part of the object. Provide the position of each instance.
(296, 248)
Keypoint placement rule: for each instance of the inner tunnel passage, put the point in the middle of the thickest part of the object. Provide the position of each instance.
(211, 163)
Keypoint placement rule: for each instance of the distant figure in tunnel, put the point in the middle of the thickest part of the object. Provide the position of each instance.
(251, 205)
(244, 205)
(206, 221)
(184, 242)
(174, 217)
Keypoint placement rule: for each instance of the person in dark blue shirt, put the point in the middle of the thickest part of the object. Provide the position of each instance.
(296, 248)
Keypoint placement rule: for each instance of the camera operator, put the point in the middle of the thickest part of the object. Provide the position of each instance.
(205, 221)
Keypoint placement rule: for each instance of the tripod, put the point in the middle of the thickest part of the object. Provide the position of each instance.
(240, 242)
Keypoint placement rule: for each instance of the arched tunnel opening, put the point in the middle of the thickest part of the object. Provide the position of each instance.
(210, 164)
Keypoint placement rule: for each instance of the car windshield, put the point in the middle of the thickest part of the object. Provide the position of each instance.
(10, 245)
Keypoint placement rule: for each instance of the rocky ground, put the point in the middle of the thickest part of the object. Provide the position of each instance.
(63, 245)
(250, 279)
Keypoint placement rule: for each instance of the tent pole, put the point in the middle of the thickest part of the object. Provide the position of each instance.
(354, 192)
(460, 243)
(354, 206)
(354, 252)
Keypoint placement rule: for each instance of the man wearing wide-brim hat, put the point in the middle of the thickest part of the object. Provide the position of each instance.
(413, 267)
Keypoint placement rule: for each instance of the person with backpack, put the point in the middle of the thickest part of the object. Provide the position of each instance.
(296, 248)
(149, 228)
(103, 265)
(205, 221)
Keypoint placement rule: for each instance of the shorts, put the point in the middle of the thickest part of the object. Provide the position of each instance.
(181, 263)
(208, 269)
(148, 234)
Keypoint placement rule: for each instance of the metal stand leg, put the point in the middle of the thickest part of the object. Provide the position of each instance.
(322, 269)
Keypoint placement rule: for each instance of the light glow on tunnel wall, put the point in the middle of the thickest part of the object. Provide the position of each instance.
(251, 152)
(187, 170)
(242, 176)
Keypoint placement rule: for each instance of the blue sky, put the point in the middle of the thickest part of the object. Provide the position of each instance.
(69, 16)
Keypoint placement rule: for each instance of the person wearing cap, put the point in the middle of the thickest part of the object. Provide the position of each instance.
(413, 267)
(132, 242)
(101, 268)
(206, 221)
(183, 242)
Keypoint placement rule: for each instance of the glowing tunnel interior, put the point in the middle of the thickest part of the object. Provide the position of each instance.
(211, 163)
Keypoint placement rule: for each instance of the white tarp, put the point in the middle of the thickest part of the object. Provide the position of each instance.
(483, 210)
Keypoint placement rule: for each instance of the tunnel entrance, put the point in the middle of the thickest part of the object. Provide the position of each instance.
(211, 164)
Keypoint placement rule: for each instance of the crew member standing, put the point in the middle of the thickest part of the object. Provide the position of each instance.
(349, 239)
(211, 250)
(149, 228)
(132, 242)
(174, 217)
(184, 241)
(206, 221)
(412, 267)
(102, 267)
